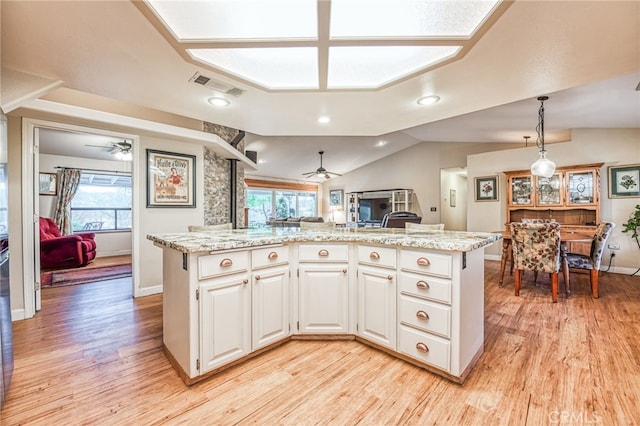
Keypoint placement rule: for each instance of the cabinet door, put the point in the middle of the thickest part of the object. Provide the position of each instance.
(519, 192)
(377, 305)
(270, 300)
(225, 320)
(324, 298)
(582, 188)
(548, 191)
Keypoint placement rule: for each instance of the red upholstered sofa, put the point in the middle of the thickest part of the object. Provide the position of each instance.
(64, 251)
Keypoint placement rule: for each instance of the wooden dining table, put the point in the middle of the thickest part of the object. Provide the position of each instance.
(567, 235)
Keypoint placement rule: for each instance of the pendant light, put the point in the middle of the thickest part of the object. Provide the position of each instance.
(543, 166)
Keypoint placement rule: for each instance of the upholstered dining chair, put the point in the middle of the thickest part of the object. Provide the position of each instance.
(209, 228)
(592, 262)
(317, 225)
(536, 247)
(409, 226)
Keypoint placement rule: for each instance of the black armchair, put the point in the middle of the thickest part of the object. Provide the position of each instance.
(398, 219)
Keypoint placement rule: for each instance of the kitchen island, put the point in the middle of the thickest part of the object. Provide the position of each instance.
(230, 295)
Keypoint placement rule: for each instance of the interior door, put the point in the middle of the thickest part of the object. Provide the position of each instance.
(36, 219)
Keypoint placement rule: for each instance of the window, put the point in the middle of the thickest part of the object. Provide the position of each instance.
(263, 203)
(102, 202)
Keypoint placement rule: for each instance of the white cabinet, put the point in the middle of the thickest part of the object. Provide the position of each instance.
(377, 295)
(323, 287)
(270, 295)
(225, 320)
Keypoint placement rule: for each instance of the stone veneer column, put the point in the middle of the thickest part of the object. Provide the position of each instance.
(217, 182)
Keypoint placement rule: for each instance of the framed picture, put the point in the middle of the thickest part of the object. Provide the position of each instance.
(487, 188)
(335, 197)
(452, 198)
(170, 179)
(624, 181)
(48, 184)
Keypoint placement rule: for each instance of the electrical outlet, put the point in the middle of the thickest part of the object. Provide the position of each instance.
(613, 246)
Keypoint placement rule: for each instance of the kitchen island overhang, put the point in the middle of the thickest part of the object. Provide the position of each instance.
(230, 295)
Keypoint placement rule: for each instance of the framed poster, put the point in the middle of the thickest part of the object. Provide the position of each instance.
(624, 181)
(170, 179)
(335, 197)
(48, 184)
(487, 188)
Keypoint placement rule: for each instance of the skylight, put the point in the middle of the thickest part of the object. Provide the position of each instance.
(311, 45)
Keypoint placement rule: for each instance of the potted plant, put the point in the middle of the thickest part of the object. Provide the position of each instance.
(633, 226)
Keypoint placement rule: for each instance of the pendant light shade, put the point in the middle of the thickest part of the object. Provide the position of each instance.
(542, 166)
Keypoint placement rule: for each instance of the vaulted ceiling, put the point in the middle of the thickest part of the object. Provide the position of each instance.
(585, 55)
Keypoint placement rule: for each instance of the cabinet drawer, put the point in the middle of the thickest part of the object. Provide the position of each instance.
(426, 262)
(222, 264)
(269, 256)
(425, 315)
(426, 287)
(323, 252)
(378, 256)
(425, 347)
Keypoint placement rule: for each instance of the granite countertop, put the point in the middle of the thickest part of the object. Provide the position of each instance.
(193, 242)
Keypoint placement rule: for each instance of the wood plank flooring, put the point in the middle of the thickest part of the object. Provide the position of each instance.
(93, 356)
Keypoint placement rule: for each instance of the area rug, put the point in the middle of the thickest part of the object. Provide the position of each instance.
(84, 275)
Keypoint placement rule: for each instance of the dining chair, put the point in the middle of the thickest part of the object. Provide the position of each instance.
(317, 225)
(592, 261)
(210, 228)
(536, 247)
(409, 226)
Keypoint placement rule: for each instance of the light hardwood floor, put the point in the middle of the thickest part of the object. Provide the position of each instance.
(93, 356)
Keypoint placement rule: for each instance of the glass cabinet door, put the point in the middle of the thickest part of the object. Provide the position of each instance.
(580, 187)
(520, 190)
(548, 190)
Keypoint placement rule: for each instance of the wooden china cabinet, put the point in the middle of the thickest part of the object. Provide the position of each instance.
(571, 196)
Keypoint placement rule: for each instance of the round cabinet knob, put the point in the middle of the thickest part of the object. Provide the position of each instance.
(374, 255)
(323, 253)
(422, 315)
(226, 262)
(344, 271)
(390, 277)
(421, 347)
(245, 281)
(423, 285)
(423, 261)
(257, 277)
(272, 255)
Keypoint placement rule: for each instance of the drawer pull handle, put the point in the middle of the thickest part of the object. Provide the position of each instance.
(257, 277)
(245, 281)
(273, 255)
(422, 315)
(423, 261)
(323, 253)
(226, 262)
(374, 255)
(421, 347)
(390, 277)
(422, 285)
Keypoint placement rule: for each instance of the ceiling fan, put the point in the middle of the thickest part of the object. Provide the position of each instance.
(121, 150)
(321, 171)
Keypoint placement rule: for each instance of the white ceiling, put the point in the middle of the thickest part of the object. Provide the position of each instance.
(585, 55)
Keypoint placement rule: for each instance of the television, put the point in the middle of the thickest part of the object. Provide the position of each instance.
(372, 210)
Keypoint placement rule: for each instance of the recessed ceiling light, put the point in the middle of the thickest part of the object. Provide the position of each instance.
(219, 101)
(324, 119)
(381, 143)
(428, 100)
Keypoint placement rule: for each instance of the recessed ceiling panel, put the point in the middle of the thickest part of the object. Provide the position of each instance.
(372, 67)
(239, 19)
(408, 18)
(274, 68)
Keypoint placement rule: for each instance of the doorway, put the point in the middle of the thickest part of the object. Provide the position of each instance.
(56, 146)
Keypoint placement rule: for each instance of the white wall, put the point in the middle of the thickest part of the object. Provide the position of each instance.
(609, 146)
(454, 217)
(107, 243)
